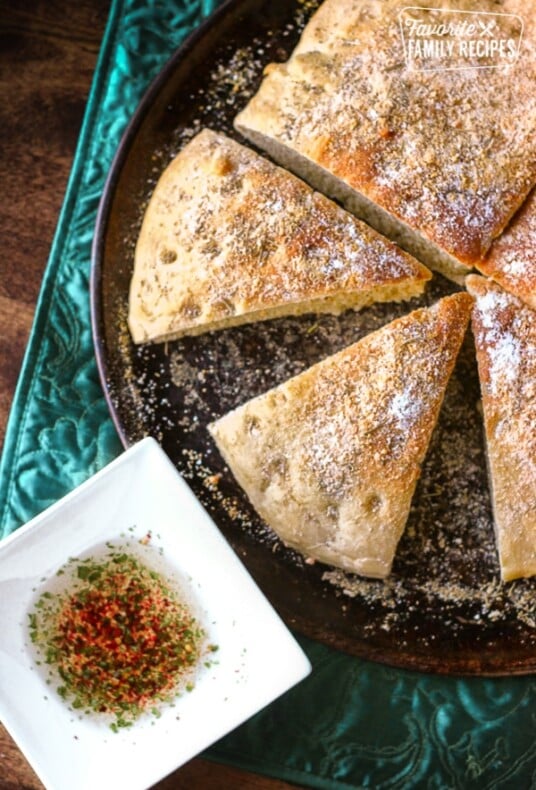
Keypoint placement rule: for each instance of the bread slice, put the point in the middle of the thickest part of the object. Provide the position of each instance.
(330, 458)
(505, 337)
(228, 237)
(437, 160)
(512, 259)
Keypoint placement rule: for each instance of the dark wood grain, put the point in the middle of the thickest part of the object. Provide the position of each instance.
(48, 52)
(47, 56)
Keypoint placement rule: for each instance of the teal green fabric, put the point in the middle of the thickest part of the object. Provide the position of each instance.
(351, 723)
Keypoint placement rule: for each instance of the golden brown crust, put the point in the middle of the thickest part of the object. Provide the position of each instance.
(505, 337)
(512, 259)
(229, 237)
(449, 154)
(331, 457)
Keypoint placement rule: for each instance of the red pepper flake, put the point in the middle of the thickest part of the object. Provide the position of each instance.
(120, 642)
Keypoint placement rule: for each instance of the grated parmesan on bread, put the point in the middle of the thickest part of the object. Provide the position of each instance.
(228, 238)
(330, 458)
(512, 259)
(505, 335)
(438, 160)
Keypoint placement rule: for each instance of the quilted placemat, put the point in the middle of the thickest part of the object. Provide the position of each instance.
(352, 723)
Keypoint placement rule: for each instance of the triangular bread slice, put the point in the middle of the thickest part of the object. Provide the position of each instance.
(228, 237)
(505, 335)
(437, 157)
(512, 258)
(330, 458)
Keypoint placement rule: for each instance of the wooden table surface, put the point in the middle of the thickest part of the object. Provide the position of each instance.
(48, 51)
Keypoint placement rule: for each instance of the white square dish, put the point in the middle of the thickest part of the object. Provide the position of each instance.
(257, 659)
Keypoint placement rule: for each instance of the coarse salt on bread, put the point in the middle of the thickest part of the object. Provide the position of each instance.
(228, 237)
(438, 160)
(512, 258)
(330, 458)
(505, 335)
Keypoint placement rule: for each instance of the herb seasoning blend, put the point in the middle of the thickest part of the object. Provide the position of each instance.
(120, 639)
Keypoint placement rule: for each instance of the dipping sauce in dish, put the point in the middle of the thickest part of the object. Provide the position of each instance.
(118, 638)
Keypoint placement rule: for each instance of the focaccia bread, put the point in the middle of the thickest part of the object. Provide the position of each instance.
(330, 458)
(228, 237)
(505, 336)
(512, 259)
(437, 160)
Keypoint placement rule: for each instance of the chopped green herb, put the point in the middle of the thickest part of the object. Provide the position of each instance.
(120, 641)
